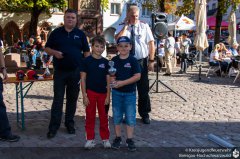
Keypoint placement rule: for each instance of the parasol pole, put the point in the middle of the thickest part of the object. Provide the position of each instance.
(200, 65)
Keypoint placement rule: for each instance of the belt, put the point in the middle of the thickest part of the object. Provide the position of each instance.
(139, 60)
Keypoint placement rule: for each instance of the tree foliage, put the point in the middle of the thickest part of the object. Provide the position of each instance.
(104, 4)
(186, 8)
(168, 6)
(35, 7)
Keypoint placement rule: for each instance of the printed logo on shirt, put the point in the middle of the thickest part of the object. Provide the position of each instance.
(76, 37)
(101, 66)
(127, 65)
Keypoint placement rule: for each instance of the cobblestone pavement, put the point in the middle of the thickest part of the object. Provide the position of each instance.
(212, 106)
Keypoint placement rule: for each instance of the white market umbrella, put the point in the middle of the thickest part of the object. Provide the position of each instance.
(232, 28)
(200, 40)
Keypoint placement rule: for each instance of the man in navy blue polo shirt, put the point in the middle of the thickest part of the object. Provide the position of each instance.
(68, 45)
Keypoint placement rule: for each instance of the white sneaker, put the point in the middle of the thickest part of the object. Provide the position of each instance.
(106, 144)
(89, 144)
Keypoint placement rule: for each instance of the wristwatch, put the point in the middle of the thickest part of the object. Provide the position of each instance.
(151, 60)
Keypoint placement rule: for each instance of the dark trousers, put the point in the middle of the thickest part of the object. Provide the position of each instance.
(5, 129)
(224, 65)
(144, 105)
(184, 57)
(69, 81)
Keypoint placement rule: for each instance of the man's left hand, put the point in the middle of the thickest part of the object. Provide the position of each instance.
(151, 66)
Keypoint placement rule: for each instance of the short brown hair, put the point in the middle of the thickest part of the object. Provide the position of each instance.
(69, 10)
(98, 39)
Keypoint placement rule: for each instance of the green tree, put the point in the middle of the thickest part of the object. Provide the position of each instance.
(104, 4)
(159, 5)
(34, 7)
(167, 5)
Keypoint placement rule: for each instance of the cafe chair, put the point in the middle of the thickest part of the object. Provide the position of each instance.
(214, 69)
(238, 74)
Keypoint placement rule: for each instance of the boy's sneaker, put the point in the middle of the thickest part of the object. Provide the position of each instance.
(10, 138)
(117, 143)
(130, 144)
(106, 144)
(89, 144)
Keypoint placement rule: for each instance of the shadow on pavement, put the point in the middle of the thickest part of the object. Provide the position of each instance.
(165, 139)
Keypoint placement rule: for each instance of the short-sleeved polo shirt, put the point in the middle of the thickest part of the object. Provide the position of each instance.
(126, 68)
(97, 71)
(71, 44)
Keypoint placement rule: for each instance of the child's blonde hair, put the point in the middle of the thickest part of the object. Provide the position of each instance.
(217, 46)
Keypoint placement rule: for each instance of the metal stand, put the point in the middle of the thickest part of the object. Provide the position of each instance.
(157, 79)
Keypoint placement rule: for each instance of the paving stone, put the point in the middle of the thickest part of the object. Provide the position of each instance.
(212, 107)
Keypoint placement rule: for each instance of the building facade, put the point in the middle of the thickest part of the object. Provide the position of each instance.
(15, 26)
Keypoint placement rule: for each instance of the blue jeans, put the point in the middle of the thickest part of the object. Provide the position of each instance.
(5, 129)
(124, 103)
(184, 64)
(223, 65)
(34, 56)
(69, 81)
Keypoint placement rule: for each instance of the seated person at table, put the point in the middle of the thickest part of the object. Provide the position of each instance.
(46, 59)
(223, 51)
(36, 51)
(234, 49)
(29, 47)
(233, 66)
(215, 59)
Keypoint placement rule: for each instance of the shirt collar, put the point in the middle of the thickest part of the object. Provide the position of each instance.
(73, 30)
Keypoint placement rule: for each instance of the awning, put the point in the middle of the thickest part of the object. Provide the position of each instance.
(211, 22)
(238, 26)
(183, 23)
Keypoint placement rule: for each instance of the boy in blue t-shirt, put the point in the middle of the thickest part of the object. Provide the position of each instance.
(124, 92)
(96, 92)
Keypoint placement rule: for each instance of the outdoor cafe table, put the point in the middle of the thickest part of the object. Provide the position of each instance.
(22, 87)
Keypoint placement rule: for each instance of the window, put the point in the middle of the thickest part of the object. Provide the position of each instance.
(115, 8)
(146, 11)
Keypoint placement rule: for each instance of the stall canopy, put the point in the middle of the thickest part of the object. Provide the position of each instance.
(183, 23)
(211, 22)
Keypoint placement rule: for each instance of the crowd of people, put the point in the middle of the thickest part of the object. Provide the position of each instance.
(225, 58)
(33, 52)
(174, 48)
(77, 66)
